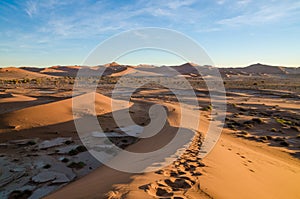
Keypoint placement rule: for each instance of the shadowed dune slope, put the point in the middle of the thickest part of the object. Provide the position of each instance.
(18, 73)
(52, 113)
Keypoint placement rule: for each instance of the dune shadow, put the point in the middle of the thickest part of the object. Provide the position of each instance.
(93, 183)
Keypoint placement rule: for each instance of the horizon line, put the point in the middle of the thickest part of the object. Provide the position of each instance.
(151, 64)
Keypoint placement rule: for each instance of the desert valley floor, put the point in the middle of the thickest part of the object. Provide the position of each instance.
(257, 155)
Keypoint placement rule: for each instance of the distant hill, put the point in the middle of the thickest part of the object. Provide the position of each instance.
(260, 69)
(115, 69)
(71, 71)
(184, 69)
(266, 69)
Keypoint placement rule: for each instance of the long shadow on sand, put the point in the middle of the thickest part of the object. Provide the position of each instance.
(104, 178)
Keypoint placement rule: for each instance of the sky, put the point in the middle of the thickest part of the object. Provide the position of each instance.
(232, 32)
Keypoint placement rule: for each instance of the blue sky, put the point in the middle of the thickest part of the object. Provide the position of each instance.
(233, 32)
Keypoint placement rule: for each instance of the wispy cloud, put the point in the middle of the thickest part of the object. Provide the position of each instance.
(263, 14)
(97, 18)
(176, 4)
(244, 2)
(221, 2)
(73, 24)
(31, 8)
(81, 19)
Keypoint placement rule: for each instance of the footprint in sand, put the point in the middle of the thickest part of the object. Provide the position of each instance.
(182, 175)
(168, 172)
(247, 161)
(168, 187)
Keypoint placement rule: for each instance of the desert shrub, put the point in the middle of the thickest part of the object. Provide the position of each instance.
(278, 139)
(269, 137)
(13, 81)
(78, 149)
(68, 142)
(283, 121)
(34, 81)
(286, 96)
(73, 152)
(31, 142)
(20, 194)
(76, 165)
(243, 133)
(65, 160)
(263, 137)
(38, 80)
(242, 109)
(248, 122)
(47, 166)
(26, 80)
(258, 120)
(284, 143)
(81, 148)
(248, 126)
(232, 124)
(71, 81)
(207, 108)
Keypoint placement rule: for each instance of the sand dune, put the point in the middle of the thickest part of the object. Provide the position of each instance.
(18, 73)
(61, 71)
(71, 71)
(128, 70)
(236, 168)
(261, 69)
(7, 97)
(239, 168)
(90, 186)
(52, 71)
(51, 113)
(8, 102)
(115, 69)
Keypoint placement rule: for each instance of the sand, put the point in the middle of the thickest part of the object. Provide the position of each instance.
(17, 73)
(247, 162)
(239, 168)
(236, 168)
(57, 112)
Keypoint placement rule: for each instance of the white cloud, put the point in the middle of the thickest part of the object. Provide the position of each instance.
(221, 2)
(31, 8)
(176, 4)
(96, 18)
(263, 14)
(161, 12)
(243, 2)
(92, 19)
